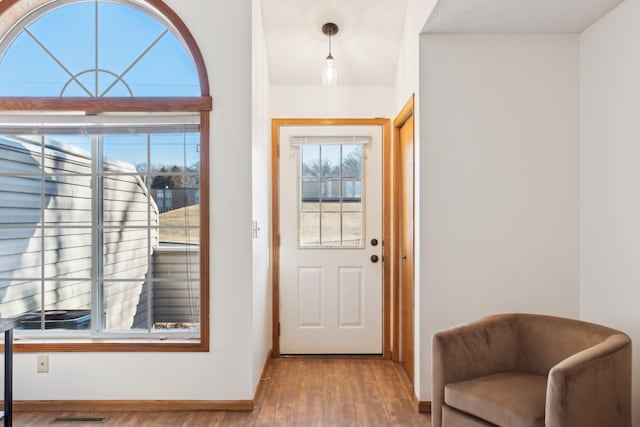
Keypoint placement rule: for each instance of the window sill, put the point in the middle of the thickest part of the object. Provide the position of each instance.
(93, 345)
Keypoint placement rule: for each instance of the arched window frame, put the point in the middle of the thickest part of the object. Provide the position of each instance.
(15, 11)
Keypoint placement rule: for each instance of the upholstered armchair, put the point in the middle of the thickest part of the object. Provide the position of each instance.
(517, 370)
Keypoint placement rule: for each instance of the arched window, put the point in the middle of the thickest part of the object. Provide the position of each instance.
(104, 112)
(95, 49)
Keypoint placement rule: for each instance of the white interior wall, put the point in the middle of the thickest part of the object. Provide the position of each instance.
(499, 184)
(290, 101)
(225, 373)
(261, 184)
(610, 177)
(407, 71)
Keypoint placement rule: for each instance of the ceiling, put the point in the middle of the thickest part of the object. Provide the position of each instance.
(365, 48)
(516, 16)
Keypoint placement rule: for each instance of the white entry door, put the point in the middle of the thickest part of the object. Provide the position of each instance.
(330, 239)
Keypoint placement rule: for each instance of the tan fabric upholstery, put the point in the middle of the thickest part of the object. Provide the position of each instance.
(586, 369)
(507, 399)
(453, 418)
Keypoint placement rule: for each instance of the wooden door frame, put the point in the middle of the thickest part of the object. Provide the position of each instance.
(276, 124)
(404, 115)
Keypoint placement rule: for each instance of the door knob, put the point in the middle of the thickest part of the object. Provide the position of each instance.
(374, 242)
(374, 258)
(403, 257)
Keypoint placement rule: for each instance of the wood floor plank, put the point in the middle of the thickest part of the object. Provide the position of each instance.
(403, 413)
(296, 392)
(266, 415)
(205, 419)
(400, 406)
(282, 416)
(371, 414)
(337, 382)
(240, 418)
(341, 414)
(309, 399)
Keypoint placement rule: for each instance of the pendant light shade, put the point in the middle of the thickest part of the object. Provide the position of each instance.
(330, 72)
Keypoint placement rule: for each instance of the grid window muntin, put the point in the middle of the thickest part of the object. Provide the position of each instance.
(325, 202)
(98, 228)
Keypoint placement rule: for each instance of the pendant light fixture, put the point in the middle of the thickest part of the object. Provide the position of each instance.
(330, 72)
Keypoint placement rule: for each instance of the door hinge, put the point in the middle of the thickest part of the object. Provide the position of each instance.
(278, 328)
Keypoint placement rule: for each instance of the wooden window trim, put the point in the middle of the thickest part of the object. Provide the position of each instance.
(202, 104)
(104, 105)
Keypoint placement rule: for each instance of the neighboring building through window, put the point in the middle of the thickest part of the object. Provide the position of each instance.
(100, 173)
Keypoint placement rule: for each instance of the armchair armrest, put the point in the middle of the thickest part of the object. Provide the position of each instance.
(470, 351)
(592, 387)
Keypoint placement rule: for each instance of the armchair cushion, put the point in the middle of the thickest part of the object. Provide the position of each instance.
(507, 399)
(453, 418)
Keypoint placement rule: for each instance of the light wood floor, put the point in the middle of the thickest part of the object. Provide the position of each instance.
(295, 392)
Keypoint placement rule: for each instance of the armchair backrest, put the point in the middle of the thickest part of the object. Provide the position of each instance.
(544, 341)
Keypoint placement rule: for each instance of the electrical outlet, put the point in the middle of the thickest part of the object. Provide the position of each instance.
(43, 363)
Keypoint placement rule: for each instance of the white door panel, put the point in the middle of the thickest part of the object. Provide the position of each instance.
(310, 286)
(330, 290)
(351, 297)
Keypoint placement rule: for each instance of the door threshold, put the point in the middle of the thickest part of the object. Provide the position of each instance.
(336, 356)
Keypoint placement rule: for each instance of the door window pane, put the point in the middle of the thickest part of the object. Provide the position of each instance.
(330, 156)
(310, 160)
(309, 229)
(331, 229)
(331, 183)
(352, 228)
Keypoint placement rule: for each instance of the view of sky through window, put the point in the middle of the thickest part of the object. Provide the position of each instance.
(96, 49)
(164, 150)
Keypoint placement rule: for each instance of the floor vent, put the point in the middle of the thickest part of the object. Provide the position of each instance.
(79, 420)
